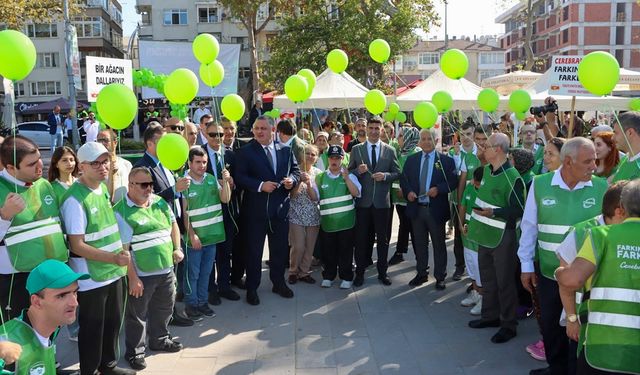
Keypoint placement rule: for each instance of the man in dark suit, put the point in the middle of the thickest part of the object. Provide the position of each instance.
(376, 165)
(166, 186)
(267, 174)
(56, 128)
(255, 112)
(427, 179)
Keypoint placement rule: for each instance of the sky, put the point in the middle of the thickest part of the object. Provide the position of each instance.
(465, 17)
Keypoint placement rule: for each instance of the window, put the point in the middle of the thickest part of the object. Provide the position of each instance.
(42, 30)
(88, 27)
(620, 35)
(18, 89)
(492, 58)
(242, 40)
(42, 88)
(429, 58)
(565, 13)
(565, 36)
(175, 17)
(620, 56)
(244, 73)
(484, 74)
(208, 15)
(48, 60)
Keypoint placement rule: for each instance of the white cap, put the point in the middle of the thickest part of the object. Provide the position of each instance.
(91, 151)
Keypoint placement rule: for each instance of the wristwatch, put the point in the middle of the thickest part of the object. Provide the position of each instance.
(572, 318)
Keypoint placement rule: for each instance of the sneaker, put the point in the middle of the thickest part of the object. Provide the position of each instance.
(477, 309)
(471, 299)
(537, 351)
(137, 362)
(326, 283)
(166, 344)
(206, 311)
(193, 313)
(346, 284)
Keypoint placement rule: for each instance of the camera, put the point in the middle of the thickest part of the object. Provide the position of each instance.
(544, 109)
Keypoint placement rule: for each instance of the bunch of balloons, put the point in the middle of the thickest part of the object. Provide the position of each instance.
(299, 87)
(147, 78)
(274, 113)
(179, 110)
(394, 114)
(206, 49)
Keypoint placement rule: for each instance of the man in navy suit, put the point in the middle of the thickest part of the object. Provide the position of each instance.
(266, 174)
(56, 128)
(427, 179)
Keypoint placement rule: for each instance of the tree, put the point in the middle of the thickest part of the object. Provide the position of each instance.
(15, 13)
(525, 16)
(307, 36)
(247, 12)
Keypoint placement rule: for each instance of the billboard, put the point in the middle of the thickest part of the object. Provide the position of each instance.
(102, 71)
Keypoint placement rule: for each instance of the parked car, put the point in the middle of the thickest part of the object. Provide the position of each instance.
(38, 132)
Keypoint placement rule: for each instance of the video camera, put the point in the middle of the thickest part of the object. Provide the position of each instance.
(544, 109)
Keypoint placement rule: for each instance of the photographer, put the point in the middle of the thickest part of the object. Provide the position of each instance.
(547, 118)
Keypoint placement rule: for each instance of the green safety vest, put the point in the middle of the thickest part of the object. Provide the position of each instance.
(613, 327)
(35, 359)
(627, 170)
(471, 161)
(101, 231)
(59, 190)
(35, 234)
(468, 201)
(538, 156)
(493, 193)
(337, 210)
(151, 243)
(558, 210)
(205, 211)
(395, 185)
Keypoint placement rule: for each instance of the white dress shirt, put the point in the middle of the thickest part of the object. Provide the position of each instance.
(271, 147)
(378, 149)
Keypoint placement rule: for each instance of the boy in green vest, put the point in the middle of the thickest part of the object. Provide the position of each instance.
(52, 288)
(335, 189)
(465, 209)
(203, 220)
(148, 227)
(610, 256)
(96, 248)
(627, 136)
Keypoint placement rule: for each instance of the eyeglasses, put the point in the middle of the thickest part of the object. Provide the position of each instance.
(214, 135)
(529, 132)
(143, 185)
(175, 127)
(103, 140)
(97, 164)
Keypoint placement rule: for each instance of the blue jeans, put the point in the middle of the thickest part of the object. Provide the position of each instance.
(57, 140)
(198, 265)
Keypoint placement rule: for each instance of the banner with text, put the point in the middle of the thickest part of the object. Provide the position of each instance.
(102, 71)
(563, 78)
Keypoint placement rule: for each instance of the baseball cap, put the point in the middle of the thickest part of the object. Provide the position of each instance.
(91, 151)
(52, 274)
(323, 134)
(335, 151)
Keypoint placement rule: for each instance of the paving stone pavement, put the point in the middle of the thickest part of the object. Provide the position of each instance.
(368, 330)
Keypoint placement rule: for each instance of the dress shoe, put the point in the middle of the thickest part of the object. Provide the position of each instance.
(229, 294)
(419, 280)
(503, 335)
(193, 313)
(457, 276)
(358, 280)
(482, 323)
(440, 285)
(178, 320)
(167, 344)
(252, 298)
(308, 279)
(116, 371)
(541, 371)
(137, 362)
(395, 259)
(206, 311)
(385, 280)
(292, 279)
(283, 291)
(239, 284)
(214, 298)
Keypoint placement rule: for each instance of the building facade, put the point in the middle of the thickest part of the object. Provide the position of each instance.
(573, 27)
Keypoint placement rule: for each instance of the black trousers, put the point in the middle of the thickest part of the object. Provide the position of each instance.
(220, 278)
(238, 254)
(377, 219)
(497, 266)
(337, 254)
(277, 231)
(556, 342)
(17, 292)
(100, 316)
(404, 231)
(425, 226)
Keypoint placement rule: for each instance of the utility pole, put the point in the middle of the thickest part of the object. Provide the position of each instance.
(446, 36)
(72, 89)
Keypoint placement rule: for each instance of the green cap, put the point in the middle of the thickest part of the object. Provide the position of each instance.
(52, 274)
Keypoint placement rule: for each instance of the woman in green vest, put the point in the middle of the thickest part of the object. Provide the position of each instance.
(607, 155)
(63, 170)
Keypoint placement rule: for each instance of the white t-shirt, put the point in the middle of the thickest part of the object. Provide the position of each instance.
(91, 129)
(121, 178)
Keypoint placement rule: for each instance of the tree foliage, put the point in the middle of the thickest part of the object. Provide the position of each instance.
(15, 13)
(310, 33)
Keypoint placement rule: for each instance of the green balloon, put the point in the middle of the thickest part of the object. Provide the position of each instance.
(337, 61)
(442, 100)
(17, 55)
(205, 48)
(311, 80)
(117, 105)
(276, 113)
(296, 88)
(634, 104)
(212, 74)
(388, 116)
(173, 151)
(519, 101)
(599, 72)
(379, 51)
(521, 115)
(401, 117)
(425, 115)
(375, 101)
(394, 108)
(232, 107)
(454, 63)
(181, 86)
(488, 100)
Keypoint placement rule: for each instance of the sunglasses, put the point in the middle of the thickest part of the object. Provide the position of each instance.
(175, 127)
(213, 135)
(143, 185)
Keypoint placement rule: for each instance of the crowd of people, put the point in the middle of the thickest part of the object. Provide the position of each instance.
(543, 228)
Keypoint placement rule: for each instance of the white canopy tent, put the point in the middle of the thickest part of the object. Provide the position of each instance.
(331, 91)
(505, 84)
(463, 92)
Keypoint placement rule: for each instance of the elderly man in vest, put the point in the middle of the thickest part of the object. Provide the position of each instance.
(556, 201)
(148, 227)
(499, 204)
(610, 257)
